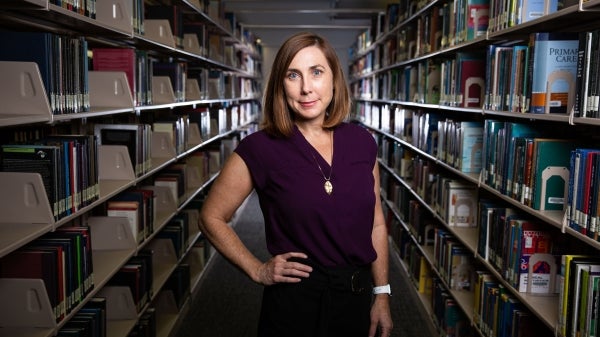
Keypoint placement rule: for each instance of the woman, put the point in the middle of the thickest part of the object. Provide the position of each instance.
(317, 181)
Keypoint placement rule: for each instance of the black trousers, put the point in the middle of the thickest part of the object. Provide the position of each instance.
(331, 302)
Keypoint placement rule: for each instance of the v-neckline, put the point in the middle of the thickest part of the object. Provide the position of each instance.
(313, 153)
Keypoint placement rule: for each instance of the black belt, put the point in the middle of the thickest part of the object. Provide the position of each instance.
(355, 279)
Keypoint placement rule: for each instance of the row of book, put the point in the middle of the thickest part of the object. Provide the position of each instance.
(68, 163)
(538, 76)
(502, 231)
(64, 66)
(583, 194)
(68, 167)
(497, 312)
(516, 159)
(548, 73)
(89, 321)
(510, 240)
(146, 325)
(212, 44)
(454, 261)
(442, 25)
(63, 260)
(212, 83)
(579, 298)
(138, 205)
(505, 14)
(82, 7)
(520, 162)
(452, 199)
(137, 275)
(449, 318)
(457, 81)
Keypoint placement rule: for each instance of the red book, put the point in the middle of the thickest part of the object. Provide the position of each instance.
(117, 59)
(472, 80)
(34, 264)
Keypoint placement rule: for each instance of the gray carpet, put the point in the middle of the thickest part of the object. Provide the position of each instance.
(227, 303)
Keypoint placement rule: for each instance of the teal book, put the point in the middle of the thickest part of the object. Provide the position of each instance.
(554, 72)
(551, 173)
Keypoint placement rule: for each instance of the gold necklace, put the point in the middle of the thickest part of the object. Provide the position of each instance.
(327, 185)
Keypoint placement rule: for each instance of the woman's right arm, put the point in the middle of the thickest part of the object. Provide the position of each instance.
(227, 193)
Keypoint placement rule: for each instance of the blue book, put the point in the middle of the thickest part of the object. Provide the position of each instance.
(534, 9)
(554, 72)
(38, 47)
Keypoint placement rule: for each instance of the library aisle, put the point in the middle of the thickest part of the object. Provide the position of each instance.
(227, 304)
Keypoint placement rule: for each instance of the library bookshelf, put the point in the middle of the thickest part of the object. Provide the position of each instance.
(407, 86)
(223, 112)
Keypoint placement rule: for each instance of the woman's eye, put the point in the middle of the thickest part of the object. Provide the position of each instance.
(292, 76)
(317, 72)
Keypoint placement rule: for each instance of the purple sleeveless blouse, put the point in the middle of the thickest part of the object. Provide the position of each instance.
(333, 230)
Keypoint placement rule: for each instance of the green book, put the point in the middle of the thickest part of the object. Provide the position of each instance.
(551, 173)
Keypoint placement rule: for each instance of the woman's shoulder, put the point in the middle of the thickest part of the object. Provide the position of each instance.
(354, 131)
(257, 142)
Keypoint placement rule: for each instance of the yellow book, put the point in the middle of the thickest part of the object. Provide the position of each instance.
(563, 295)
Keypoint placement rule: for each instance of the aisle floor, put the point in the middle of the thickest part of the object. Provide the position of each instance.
(227, 303)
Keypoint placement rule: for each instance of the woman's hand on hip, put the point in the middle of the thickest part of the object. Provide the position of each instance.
(279, 270)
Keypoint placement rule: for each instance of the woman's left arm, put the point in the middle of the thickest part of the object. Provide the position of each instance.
(380, 311)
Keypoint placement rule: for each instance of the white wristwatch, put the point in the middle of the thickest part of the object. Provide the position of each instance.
(385, 289)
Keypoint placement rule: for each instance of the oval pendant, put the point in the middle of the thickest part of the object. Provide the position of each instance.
(328, 187)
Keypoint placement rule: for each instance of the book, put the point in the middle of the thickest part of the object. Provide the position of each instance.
(470, 79)
(586, 304)
(554, 65)
(535, 9)
(566, 285)
(200, 29)
(519, 251)
(575, 292)
(131, 210)
(490, 155)
(551, 173)
(134, 136)
(129, 275)
(66, 91)
(471, 144)
(460, 208)
(45, 160)
(517, 94)
(177, 73)
(486, 212)
(80, 168)
(35, 264)
(477, 18)
(173, 14)
(81, 235)
(74, 245)
(505, 173)
(461, 271)
(119, 59)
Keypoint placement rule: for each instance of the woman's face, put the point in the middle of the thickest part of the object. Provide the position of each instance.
(309, 84)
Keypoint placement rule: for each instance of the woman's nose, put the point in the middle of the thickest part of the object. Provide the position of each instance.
(306, 87)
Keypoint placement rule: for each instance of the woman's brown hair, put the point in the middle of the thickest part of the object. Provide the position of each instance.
(277, 116)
